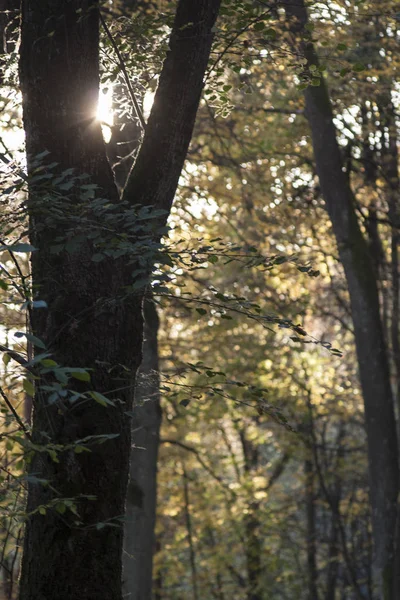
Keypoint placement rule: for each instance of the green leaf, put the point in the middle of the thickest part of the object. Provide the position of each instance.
(33, 340)
(48, 362)
(259, 26)
(79, 449)
(6, 358)
(23, 248)
(201, 311)
(80, 374)
(101, 399)
(39, 304)
(53, 455)
(358, 67)
(28, 386)
(271, 33)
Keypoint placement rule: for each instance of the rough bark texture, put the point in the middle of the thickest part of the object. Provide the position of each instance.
(139, 538)
(362, 285)
(90, 321)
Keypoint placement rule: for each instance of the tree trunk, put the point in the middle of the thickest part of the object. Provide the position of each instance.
(362, 285)
(189, 529)
(253, 551)
(311, 529)
(93, 316)
(139, 538)
(253, 545)
(140, 510)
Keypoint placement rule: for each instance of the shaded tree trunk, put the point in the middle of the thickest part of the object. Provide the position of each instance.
(311, 530)
(190, 536)
(253, 546)
(389, 169)
(370, 343)
(93, 318)
(140, 511)
(253, 551)
(139, 538)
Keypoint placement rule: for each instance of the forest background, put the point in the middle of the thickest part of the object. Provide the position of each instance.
(271, 316)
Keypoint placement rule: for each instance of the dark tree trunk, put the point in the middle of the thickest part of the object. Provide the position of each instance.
(139, 539)
(253, 551)
(333, 550)
(90, 320)
(362, 285)
(311, 530)
(389, 168)
(189, 529)
(140, 510)
(253, 546)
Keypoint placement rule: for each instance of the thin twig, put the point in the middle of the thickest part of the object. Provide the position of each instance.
(15, 414)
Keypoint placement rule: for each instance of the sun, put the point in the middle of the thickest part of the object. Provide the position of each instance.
(105, 113)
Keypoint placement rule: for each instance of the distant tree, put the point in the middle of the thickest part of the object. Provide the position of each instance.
(361, 276)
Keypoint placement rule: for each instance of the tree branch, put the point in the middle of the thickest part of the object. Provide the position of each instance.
(155, 174)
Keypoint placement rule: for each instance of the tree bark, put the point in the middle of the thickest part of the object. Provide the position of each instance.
(140, 515)
(90, 321)
(311, 529)
(189, 529)
(362, 285)
(252, 526)
(141, 499)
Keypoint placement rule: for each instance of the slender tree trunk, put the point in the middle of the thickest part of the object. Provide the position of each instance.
(311, 531)
(362, 285)
(139, 539)
(253, 551)
(389, 168)
(141, 499)
(189, 529)
(333, 550)
(253, 546)
(333, 563)
(93, 320)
